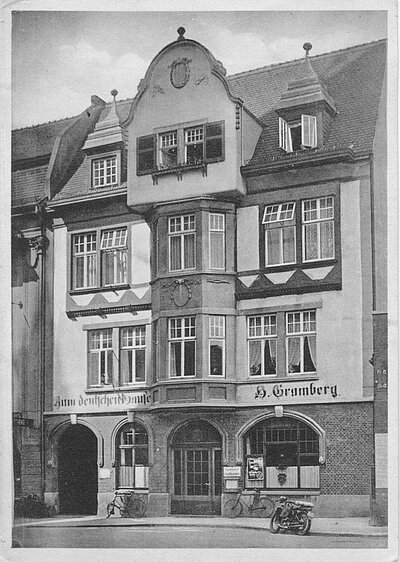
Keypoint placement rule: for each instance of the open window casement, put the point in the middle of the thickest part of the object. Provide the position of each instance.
(309, 131)
(285, 138)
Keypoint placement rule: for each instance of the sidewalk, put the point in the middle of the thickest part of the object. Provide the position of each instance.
(346, 526)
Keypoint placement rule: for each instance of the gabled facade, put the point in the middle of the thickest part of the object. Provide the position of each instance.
(214, 278)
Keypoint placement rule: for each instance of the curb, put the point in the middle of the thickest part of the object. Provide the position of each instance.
(206, 525)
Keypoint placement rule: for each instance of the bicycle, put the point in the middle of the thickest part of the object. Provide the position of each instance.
(261, 506)
(128, 504)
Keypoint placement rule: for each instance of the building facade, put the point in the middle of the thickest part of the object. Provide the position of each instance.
(213, 253)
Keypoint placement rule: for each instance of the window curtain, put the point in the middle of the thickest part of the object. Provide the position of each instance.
(217, 250)
(188, 249)
(270, 357)
(327, 245)
(294, 355)
(255, 357)
(310, 347)
(311, 241)
(175, 247)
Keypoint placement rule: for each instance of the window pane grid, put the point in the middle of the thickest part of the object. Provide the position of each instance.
(301, 322)
(259, 326)
(278, 213)
(217, 326)
(134, 337)
(194, 135)
(318, 209)
(104, 171)
(184, 223)
(262, 345)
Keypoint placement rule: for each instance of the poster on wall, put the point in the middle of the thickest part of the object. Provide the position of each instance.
(255, 468)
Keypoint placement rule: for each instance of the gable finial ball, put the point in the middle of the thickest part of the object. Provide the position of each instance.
(181, 32)
(114, 93)
(307, 47)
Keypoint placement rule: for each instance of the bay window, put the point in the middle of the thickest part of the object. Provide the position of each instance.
(182, 238)
(182, 346)
(301, 342)
(318, 229)
(217, 240)
(217, 345)
(262, 345)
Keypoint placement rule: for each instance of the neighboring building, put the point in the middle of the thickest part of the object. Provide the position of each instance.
(216, 252)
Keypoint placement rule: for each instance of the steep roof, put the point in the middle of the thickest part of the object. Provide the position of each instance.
(353, 78)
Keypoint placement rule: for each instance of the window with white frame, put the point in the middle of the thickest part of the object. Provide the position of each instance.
(194, 147)
(217, 240)
(182, 239)
(182, 346)
(298, 134)
(104, 171)
(318, 229)
(168, 151)
(100, 357)
(198, 144)
(262, 344)
(217, 345)
(84, 258)
(114, 257)
(132, 355)
(280, 234)
(301, 335)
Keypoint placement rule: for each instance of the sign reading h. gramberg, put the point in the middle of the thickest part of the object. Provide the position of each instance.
(282, 391)
(100, 401)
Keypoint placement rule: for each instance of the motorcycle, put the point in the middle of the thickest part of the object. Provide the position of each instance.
(292, 515)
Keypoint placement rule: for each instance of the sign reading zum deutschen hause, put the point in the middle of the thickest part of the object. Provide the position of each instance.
(102, 402)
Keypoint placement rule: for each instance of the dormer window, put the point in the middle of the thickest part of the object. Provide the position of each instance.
(298, 134)
(104, 171)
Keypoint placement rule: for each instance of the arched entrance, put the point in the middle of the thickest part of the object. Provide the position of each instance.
(196, 469)
(77, 472)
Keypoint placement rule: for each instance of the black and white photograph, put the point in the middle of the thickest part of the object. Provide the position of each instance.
(198, 206)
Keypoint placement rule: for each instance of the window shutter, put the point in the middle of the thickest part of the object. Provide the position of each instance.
(309, 131)
(146, 156)
(285, 140)
(214, 142)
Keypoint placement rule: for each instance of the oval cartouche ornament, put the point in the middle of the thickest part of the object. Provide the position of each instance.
(181, 294)
(180, 73)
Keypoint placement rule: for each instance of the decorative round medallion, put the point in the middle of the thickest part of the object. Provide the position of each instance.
(181, 294)
(180, 73)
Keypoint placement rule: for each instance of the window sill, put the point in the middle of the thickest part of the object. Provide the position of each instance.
(110, 288)
(297, 265)
(179, 171)
(286, 378)
(109, 389)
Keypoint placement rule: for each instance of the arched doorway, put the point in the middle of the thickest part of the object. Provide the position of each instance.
(77, 473)
(132, 457)
(196, 469)
(281, 453)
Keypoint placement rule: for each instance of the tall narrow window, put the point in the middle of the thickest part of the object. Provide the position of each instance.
(217, 346)
(217, 240)
(318, 229)
(104, 171)
(132, 355)
(194, 145)
(114, 257)
(100, 357)
(168, 154)
(262, 345)
(132, 462)
(280, 234)
(301, 335)
(182, 242)
(84, 261)
(182, 346)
